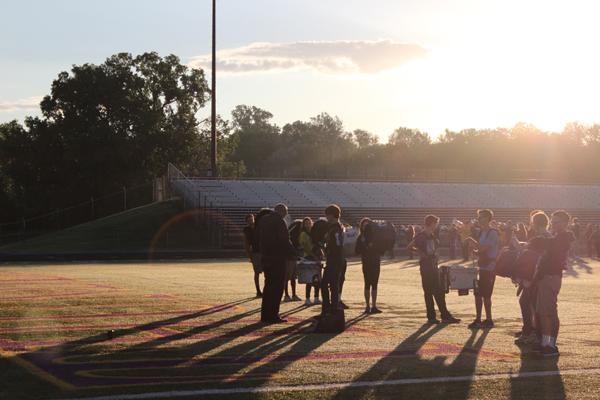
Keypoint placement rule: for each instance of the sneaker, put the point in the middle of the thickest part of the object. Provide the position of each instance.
(487, 324)
(433, 321)
(317, 301)
(549, 351)
(475, 324)
(287, 299)
(343, 305)
(259, 295)
(307, 303)
(296, 298)
(375, 310)
(367, 310)
(527, 340)
(450, 320)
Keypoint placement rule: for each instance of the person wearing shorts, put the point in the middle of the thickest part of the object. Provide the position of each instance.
(252, 252)
(487, 248)
(371, 264)
(548, 279)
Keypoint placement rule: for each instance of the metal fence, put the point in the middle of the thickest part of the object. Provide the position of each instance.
(93, 209)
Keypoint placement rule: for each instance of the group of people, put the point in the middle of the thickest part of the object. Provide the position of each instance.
(270, 249)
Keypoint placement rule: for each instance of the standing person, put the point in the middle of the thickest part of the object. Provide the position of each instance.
(410, 235)
(308, 250)
(589, 241)
(487, 248)
(596, 240)
(548, 278)
(452, 238)
(251, 247)
(527, 300)
(371, 264)
(276, 249)
(426, 244)
(334, 256)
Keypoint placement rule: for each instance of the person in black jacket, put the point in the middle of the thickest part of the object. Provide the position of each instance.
(276, 249)
(371, 263)
(335, 261)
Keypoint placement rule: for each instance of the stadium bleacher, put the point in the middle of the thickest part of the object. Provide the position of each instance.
(398, 202)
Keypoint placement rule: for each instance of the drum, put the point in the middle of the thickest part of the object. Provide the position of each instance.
(309, 271)
(458, 277)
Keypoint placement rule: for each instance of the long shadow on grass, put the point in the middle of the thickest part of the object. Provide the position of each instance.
(549, 387)
(406, 362)
(47, 355)
(576, 265)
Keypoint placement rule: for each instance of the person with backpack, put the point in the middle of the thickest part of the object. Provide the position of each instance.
(251, 247)
(426, 245)
(548, 279)
(529, 334)
(487, 248)
(371, 263)
(308, 251)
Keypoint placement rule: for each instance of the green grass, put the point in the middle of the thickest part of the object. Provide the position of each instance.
(187, 326)
(129, 231)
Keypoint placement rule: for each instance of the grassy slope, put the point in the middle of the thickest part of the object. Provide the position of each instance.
(131, 230)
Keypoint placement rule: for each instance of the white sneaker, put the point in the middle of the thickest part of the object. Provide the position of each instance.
(307, 302)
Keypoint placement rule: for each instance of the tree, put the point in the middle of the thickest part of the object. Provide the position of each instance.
(364, 139)
(256, 138)
(106, 126)
(408, 138)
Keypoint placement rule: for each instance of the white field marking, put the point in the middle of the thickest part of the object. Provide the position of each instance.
(337, 386)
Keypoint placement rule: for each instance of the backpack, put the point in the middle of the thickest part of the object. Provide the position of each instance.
(382, 235)
(506, 263)
(526, 264)
(295, 230)
(261, 213)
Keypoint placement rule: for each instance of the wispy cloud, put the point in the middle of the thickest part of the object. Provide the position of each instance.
(331, 57)
(29, 103)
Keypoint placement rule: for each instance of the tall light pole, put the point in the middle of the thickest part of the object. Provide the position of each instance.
(213, 104)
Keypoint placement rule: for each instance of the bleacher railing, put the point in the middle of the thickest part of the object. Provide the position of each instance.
(87, 211)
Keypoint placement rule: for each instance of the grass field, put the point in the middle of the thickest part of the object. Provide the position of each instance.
(192, 330)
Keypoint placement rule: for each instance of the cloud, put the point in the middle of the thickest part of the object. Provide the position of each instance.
(29, 103)
(331, 57)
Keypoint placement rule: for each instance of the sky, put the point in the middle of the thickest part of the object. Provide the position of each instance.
(378, 65)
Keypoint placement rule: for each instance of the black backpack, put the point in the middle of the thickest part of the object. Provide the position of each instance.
(261, 213)
(382, 235)
(295, 230)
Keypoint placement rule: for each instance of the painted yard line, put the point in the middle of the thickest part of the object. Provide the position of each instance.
(35, 370)
(62, 296)
(181, 313)
(340, 386)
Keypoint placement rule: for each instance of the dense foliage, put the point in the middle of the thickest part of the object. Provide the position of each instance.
(119, 124)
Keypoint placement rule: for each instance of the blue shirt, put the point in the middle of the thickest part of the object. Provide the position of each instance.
(490, 239)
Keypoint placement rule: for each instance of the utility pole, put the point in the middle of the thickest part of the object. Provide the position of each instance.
(213, 117)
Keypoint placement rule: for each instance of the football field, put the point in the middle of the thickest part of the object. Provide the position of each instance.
(191, 330)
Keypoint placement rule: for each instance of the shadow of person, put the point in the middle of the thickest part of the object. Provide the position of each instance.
(577, 264)
(527, 387)
(417, 366)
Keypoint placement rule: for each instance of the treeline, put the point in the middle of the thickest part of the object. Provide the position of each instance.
(118, 124)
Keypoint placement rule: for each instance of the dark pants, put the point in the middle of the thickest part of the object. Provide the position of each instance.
(465, 250)
(527, 303)
(330, 286)
(430, 279)
(274, 284)
(371, 267)
(343, 276)
(452, 249)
